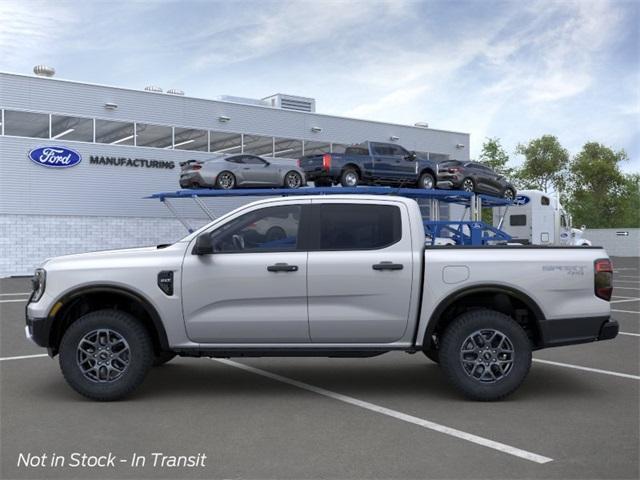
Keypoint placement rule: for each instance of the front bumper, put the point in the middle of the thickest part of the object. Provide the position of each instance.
(571, 331)
(37, 330)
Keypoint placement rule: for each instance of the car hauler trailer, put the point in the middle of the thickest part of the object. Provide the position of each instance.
(438, 232)
(537, 218)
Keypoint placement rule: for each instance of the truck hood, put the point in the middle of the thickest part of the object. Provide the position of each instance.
(111, 258)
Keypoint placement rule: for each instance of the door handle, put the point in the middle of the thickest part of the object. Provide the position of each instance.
(387, 266)
(282, 267)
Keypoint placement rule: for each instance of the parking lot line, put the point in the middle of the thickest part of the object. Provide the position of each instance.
(625, 311)
(627, 300)
(626, 276)
(14, 294)
(23, 357)
(587, 369)
(630, 334)
(616, 287)
(14, 300)
(485, 442)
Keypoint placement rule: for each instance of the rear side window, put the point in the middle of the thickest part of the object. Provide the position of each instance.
(357, 151)
(518, 220)
(358, 227)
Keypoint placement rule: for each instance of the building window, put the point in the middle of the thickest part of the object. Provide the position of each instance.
(287, 148)
(158, 136)
(190, 139)
(26, 124)
(316, 148)
(518, 220)
(114, 133)
(71, 128)
(225, 143)
(438, 157)
(258, 145)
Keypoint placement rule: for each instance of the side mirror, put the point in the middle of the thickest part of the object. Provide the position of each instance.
(583, 228)
(411, 157)
(204, 245)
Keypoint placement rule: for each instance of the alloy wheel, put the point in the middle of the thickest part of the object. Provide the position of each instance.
(351, 179)
(293, 180)
(467, 185)
(226, 181)
(103, 355)
(487, 355)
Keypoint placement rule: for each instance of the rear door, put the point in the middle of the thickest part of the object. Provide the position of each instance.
(359, 272)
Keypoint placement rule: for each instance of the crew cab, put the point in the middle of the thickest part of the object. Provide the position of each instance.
(370, 163)
(349, 276)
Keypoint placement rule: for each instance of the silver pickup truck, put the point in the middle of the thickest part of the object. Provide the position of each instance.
(335, 276)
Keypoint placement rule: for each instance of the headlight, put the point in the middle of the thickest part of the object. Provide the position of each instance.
(38, 282)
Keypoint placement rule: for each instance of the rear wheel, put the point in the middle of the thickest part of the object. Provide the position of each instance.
(427, 181)
(293, 180)
(485, 354)
(349, 178)
(105, 355)
(225, 180)
(468, 185)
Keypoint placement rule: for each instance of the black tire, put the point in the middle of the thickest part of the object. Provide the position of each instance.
(432, 354)
(137, 359)
(225, 180)
(162, 358)
(427, 181)
(509, 194)
(347, 177)
(468, 185)
(474, 327)
(292, 180)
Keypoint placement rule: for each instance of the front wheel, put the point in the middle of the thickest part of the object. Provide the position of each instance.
(293, 180)
(427, 181)
(105, 355)
(485, 354)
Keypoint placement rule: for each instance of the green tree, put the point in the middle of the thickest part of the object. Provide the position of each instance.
(494, 156)
(545, 164)
(600, 195)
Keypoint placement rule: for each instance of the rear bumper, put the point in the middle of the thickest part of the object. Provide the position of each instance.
(571, 331)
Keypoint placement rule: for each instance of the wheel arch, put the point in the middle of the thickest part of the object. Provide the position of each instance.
(353, 166)
(85, 299)
(428, 170)
(502, 298)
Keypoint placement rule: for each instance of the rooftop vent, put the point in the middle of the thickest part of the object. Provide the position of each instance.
(421, 124)
(291, 102)
(243, 100)
(44, 71)
(153, 88)
(175, 91)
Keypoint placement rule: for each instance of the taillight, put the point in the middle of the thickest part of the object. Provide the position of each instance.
(326, 161)
(195, 167)
(454, 170)
(603, 278)
(298, 162)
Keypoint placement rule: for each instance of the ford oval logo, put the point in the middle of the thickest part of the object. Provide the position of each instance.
(55, 157)
(521, 200)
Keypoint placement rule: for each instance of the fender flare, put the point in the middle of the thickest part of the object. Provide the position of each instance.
(452, 298)
(156, 320)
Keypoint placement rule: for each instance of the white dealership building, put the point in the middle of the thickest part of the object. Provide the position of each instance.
(127, 144)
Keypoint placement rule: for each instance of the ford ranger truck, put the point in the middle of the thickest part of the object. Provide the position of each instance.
(350, 276)
(370, 163)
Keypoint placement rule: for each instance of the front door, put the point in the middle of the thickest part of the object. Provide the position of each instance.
(253, 288)
(392, 163)
(257, 171)
(359, 273)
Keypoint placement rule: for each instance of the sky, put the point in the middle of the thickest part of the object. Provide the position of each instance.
(507, 69)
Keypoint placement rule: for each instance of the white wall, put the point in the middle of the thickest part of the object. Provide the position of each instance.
(615, 242)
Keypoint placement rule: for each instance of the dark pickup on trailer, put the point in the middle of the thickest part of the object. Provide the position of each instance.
(370, 163)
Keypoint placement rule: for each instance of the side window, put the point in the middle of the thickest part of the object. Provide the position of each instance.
(359, 227)
(381, 149)
(272, 229)
(518, 220)
(237, 159)
(544, 201)
(563, 221)
(398, 151)
(251, 160)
